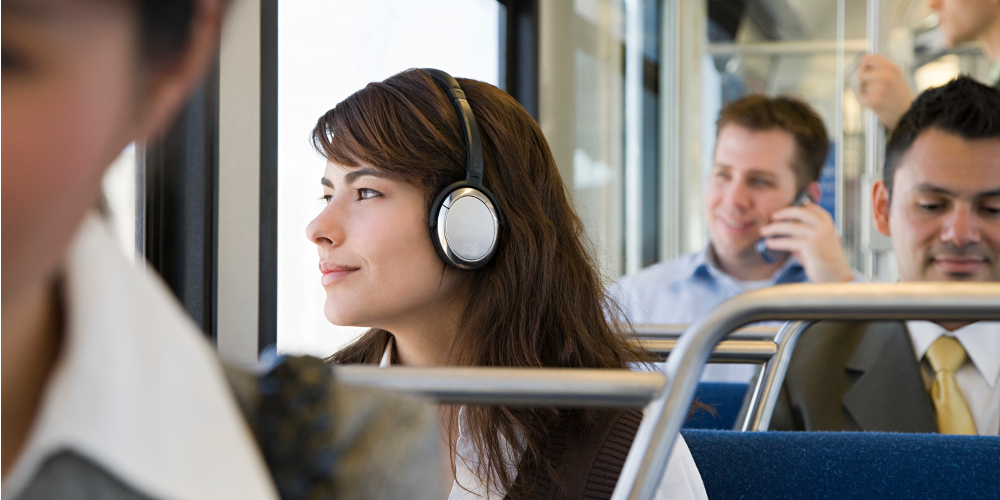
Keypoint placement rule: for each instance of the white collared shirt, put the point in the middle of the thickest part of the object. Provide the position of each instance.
(978, 378)
(681, 480)
(137, 389)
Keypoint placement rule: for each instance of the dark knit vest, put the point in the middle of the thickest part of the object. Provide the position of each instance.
(586, 466)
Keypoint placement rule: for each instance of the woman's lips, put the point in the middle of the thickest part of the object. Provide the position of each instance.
(333, 273)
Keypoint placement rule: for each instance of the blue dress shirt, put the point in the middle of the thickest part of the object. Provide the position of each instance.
(683, 290)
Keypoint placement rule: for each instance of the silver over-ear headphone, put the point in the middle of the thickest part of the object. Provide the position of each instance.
(465, 219)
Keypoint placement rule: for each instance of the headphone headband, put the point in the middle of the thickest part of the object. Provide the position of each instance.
(473, 145)
(464, 218)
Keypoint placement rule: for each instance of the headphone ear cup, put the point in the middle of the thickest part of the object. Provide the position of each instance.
(465, 226)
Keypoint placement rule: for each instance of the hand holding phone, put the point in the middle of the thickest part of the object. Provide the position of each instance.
(772, 256)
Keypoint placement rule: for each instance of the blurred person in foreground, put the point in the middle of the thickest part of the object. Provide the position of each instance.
(880, 84)
(939, 202)
(109, 389)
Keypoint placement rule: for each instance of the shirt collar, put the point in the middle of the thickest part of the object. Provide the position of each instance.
(704, 263)
(994, 74)
(137, 390)
(981, 340)
(387, 354)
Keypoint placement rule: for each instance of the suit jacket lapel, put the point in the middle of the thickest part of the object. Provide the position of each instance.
(888, 393)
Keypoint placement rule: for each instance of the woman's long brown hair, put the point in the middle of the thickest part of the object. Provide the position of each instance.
(540, 301)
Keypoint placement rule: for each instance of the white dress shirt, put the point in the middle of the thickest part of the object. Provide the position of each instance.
(681, 480)
(977, 378)
(137, 389)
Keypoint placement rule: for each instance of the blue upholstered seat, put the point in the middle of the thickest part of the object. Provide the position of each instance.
(724, 398)
(845, 465)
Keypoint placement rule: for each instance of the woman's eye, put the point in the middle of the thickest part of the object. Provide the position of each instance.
(367, 193)
(326, 198)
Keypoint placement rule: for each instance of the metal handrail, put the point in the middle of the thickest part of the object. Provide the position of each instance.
(753, 344)
(765, 393)
(727, 351)
(674, 331)
(647, 459)
(574, 387)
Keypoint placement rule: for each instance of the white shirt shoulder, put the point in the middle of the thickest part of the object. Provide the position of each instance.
(138, 390)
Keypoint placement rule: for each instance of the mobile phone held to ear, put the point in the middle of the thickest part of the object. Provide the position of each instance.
(772, 256)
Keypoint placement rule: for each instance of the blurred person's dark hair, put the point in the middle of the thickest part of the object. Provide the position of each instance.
(164, 27)
(963, 107)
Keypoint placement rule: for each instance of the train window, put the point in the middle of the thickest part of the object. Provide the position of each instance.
(326, 51)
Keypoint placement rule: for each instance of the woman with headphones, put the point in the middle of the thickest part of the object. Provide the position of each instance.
(450, 234)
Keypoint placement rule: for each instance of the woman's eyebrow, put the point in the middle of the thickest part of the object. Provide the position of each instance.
(353, 175)
(326, 182)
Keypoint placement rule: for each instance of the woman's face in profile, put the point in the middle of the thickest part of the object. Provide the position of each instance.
(379, 267)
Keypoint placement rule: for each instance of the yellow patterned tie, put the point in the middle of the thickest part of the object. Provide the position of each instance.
(946, 356)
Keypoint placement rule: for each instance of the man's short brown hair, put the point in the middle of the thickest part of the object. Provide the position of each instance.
(761, 113)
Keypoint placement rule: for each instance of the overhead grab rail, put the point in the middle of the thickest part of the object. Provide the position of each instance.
(663, 417)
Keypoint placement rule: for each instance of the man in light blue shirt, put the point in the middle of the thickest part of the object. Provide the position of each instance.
(769, 151)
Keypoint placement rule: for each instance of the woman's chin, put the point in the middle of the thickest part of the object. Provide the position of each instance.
(338, 317)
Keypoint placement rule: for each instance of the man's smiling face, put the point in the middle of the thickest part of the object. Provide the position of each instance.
(944, 213)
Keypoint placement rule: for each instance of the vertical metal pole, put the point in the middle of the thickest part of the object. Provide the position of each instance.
(838, 122)
(633, 135)
(670, 155)
(874, 138)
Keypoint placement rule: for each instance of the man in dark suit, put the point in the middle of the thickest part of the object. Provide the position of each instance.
(939, 202)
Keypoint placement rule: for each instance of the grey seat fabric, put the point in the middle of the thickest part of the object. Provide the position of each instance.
(387, 446)
(69, 476)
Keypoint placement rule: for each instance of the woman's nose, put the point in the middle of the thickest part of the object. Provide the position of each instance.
(325, 229)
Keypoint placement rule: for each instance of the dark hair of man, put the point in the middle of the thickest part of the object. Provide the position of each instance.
(760, 113)
(963, 107)
(540, 301)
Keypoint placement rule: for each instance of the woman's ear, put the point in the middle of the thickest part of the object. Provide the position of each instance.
(169, 83)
